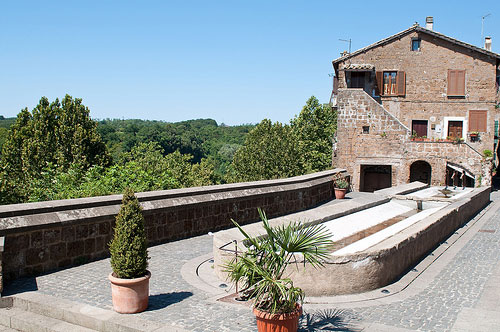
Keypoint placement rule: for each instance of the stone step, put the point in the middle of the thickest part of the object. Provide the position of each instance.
(78, 314)
(25, 321)
(7, 329)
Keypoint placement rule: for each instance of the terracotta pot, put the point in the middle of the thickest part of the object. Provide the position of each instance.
(267, 322)
(340, 193)
(130, 295)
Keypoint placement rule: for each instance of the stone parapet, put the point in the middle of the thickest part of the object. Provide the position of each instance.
(45, 236)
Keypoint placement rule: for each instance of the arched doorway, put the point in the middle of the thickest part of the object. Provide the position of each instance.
(420, 171)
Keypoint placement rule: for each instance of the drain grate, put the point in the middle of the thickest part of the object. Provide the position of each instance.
(486, 231)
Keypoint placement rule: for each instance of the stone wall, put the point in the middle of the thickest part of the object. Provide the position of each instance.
(382, 145)
(425, 99)
(426, 82)
(388, 142)
(459, 154)
(375, 266)
(386, 261)
(45, 236)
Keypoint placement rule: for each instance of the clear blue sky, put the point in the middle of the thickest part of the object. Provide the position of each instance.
(233, 61)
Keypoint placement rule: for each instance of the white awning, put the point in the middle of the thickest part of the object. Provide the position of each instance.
(461, 170)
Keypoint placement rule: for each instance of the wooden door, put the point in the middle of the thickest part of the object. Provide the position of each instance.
(419, 127)
(455, 129)
(375, 177)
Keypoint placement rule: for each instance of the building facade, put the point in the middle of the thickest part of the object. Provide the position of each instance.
(417, 105)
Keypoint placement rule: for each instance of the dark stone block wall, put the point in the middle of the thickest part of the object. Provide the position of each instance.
(46, 236)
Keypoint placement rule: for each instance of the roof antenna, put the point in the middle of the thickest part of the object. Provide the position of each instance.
(482, 28)
(347, 41)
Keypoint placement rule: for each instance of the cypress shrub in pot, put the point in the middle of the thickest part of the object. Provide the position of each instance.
(129, 258)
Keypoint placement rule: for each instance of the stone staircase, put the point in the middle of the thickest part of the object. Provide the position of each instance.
(35, 312)
(15, 319)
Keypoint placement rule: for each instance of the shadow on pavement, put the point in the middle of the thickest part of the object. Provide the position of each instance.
(20, 286)
(326, 320)
(160, 301)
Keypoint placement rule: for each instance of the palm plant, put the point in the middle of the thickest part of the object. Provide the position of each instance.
(261, 267)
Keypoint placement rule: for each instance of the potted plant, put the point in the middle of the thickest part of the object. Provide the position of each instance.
(414, 135)
(340, 186)
(277, 303)
(474, 136)
(129, 258)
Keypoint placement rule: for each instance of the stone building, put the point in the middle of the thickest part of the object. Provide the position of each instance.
(417, 105)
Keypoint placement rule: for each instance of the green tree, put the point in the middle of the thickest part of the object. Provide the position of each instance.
(275, 150)
(314, 129)
(270, 152)
(53, 135)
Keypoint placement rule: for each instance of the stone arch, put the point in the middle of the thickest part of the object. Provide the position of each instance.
(421, 171)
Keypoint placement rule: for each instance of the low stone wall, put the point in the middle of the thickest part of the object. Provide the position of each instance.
(385, 262)
(41, 237)
(375, 267)
(223, 246)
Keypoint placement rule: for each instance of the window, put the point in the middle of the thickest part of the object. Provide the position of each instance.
(366, 129)
(391, 83)
(455, 129)
(357, 79)
(456, 83)
(477, 121)
(415, 44)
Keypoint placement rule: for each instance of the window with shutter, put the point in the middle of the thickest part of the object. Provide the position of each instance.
(478, 120)
(391, 83)
(456, 83)
(401, 79)
(378, 77)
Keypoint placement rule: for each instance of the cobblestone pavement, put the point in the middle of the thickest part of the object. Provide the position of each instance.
(459, 285)
(173, 300)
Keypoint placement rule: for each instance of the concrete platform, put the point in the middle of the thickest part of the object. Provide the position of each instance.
(455, 288)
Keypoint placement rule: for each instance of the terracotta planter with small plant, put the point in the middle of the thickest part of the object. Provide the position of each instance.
(261, 269)
(129, 258)
(340, 187)
(278, 322)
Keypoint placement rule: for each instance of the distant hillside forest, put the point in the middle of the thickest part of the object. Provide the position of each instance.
(57, 151)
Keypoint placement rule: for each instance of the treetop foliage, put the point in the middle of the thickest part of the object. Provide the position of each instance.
(57, 152)
(278, 150)
(56, 134)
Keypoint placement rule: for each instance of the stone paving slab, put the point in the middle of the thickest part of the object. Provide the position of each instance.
(450, 297)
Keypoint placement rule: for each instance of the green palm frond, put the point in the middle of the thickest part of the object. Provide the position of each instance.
(261, 267)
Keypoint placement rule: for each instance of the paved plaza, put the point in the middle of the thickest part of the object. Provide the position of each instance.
(456, 288)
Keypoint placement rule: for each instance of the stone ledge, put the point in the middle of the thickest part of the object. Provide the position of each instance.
(32, 216)
(11, 210)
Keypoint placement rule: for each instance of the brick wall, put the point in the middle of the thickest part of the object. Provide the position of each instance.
(425, 99)
(389, 143)
(45, 236)
(383, 145)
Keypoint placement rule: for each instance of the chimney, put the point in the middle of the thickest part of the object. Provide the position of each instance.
(487, 43)
(429, 22)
